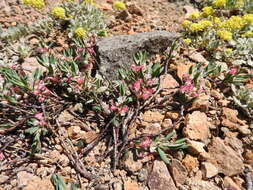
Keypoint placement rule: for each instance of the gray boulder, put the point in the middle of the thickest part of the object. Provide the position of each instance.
(116, 51)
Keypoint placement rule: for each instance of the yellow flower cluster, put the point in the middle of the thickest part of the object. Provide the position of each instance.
(58, 12)
(37, 4)
(207, 11)
(91, 2)
(248, 18)
(228, 50)
(200, 26)
(186, 23)
(247, 34)
(219, 3)
(233, 23)
(187, 41)
(224, 35)
(119, 5)
(80, 32)
(239, 3)
(194, 15)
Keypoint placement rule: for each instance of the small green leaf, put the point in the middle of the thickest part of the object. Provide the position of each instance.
(163, 155)
(58, 182)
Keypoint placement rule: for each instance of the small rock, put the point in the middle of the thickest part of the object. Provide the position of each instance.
(244, 130)
(117, 186)
(230, 184)
(190, 162)
(73, 131)
(178, 171)
(65, 117)
(202, 103)
(151, 117)
(197, 126)
(248, 156)
(152, 128)
(216, 94)
(235, 144)
(197, 57)
(3, 178)
(131, 185)
(89, 136)
(167, 82)
(160, 178)
(132, 165)
(183, 69)
(195, 147)
(105, 6)
(24, 178)
(135, 9)
(101, 187)
(64, 160)
(167, 123)
(224, 157)
(172, 115)
(209, 170)
(124, 15)
(41, 184)
(201, 184)
(55, 155)
(143, 175)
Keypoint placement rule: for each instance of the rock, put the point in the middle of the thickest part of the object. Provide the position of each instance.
(230, 120)
(117, 186)
(230, 184)
(200, 184)
(216, 94)
(65, 117)
(73, 131)
(124, 15)
(132, 165)
(166, 82)
(248, 156)
(143, 175)
(64, 160)
(55, 155)
(160, 178)
(178, 172)
(131, 185)
(151, 117)
(190, 162)
(202, 103)
(89, 136)
(195, 147)
(183, 69)
(152, 128)
(24, 178)
(41, 184)
(224, 157)
(209, 170)
(197, 126)
(30, 65)
(188, 9)
(135, 9)
(197, 57)
(119, 50)
(172, 115)
(235, 144)
(3, 178)
(101, 187)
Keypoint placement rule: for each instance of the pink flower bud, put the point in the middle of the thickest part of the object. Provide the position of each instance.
(77, 58)
(145, 143)
(39, 116)
(137, 68)
(91, 51)
(80, 50)
(146, 93)
(113, 108)
(232, 71)
(123, 110)
(136, 86)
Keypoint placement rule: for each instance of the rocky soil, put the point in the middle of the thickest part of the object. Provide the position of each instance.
(219, 135)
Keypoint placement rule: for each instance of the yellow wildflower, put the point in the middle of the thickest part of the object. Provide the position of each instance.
(186, 23)
(68, 0)
(219, 3)
(207, 11)
(119, 5)
(228, 50)
(224, 35)
(248, 18)
(26, 2)
(37, 4)
(205, 23)
(91, 2)
(194, 15)
(187, 41)
(247, 34)
(217, 22)
(58, 12)
(80, 32)
(234, 23)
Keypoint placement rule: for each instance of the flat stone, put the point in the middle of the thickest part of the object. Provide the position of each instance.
(132, 165)
(166, 82)
(190, 162)
(160, 178)
(131, 185)
(230, 184)
(116, 51)
(196, 147)
(24, 178)
(178, 171)
(224, 157)
(209, 170)
(197, 126)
